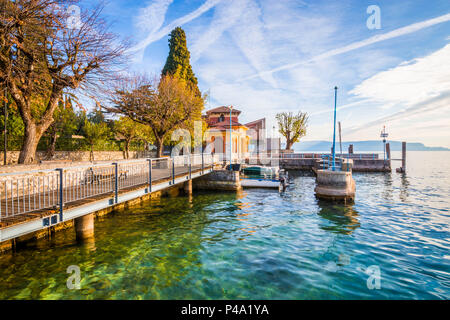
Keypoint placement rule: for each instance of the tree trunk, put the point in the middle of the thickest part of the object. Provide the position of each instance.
(91, 154)
(289, 145)
(288, 141)
(159, 147)
(31, 139)
(127, 149)
(52, 146)
(34, 129)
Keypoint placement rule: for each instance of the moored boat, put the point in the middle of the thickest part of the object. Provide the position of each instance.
(260, 183)
(260, 170)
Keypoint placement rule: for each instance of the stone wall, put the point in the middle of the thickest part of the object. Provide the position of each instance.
(377, 165)
(76, 156)
(297, 164)
(218, 180)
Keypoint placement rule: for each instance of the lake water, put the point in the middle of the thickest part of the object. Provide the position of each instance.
(393, 243)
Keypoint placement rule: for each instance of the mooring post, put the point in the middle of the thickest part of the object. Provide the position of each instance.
(61, 198)
(404, 156)
(388, 151)
(348, 161)
(116, 182)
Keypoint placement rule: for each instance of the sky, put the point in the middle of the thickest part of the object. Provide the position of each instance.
(270, 56)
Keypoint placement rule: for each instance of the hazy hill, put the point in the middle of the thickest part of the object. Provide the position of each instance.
(371, 145)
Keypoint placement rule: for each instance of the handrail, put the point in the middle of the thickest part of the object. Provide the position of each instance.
(28, 191)
(91, 165)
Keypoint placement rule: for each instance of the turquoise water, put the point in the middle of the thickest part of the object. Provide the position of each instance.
(258, 245)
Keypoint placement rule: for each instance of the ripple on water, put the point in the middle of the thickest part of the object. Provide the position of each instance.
(257, 245)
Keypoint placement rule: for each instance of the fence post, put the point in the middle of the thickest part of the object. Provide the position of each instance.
(173, 170)
(190, 167)
(116, 182)
(150, 174)
(212, 160)
(61, 198)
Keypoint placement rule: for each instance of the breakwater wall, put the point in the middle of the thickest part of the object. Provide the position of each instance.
(219, 180)
(360, 164)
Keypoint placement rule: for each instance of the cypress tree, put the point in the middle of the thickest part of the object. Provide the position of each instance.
(178, 62)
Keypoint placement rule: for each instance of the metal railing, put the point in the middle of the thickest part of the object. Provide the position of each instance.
(353, 156)
(26, 192)
(341, 164)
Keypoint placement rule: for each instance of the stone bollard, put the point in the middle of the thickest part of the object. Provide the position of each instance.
(335, 185)
(84, 226)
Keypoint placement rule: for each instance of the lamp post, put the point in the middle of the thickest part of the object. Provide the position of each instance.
(334, 130)
(384, 135)
(231, 139)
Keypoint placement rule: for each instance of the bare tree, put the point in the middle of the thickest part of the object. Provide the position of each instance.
(292, 127)
(40, 57)
(164, 105)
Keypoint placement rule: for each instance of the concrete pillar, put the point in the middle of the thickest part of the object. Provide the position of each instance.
(84, 226)
(188, 187)
(219, 180)
(335, 185)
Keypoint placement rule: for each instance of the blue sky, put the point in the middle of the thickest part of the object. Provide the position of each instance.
(268, 56)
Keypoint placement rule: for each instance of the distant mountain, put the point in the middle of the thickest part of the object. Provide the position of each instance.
(371, 145)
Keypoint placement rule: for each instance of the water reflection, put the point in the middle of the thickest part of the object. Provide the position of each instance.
(404, 184)
(387, 183)
(340, 218)
(88, 244)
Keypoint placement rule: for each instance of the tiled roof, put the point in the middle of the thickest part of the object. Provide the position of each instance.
(223, 109)
(263, 120)
(226, 124)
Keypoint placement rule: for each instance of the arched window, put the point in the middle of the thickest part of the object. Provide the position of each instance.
(221, 118)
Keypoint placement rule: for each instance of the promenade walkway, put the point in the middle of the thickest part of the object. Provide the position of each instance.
(34, 195)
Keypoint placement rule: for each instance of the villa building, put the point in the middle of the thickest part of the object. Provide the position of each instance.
(218, 134)
(248, 140)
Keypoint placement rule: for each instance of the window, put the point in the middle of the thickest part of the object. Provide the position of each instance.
(221, 118)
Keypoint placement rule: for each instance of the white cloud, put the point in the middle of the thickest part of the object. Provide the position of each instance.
(360, 44)
(225, 15)
(151, 18)
(158, 34)
(419, 91)
(410, 82)
(249, 35)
